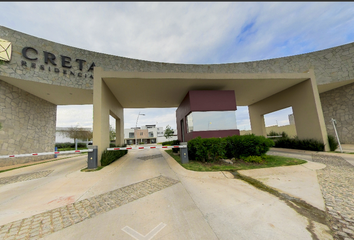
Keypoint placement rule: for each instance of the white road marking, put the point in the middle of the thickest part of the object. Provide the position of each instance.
(148, 236)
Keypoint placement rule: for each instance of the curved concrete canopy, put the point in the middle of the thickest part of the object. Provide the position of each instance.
(160, 90)
(147, 91)
(332, 68)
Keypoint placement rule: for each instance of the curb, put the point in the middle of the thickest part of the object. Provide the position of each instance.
(178, 169)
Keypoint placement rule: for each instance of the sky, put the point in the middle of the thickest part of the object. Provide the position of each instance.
(183, 32)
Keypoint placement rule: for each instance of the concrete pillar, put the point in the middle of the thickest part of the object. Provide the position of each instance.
(104, 104)
(257, 122)
(304, 99)
(119, 131)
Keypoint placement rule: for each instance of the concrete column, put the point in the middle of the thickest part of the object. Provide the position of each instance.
(104, 104)
(119, 132)
(97, 114)
(257, 121)
(305, 101)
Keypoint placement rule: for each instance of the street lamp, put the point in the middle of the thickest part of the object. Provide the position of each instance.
(136, 128)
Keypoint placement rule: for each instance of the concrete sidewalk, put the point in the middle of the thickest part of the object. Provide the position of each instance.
(348, 148)
(347, 153)
(337, 186)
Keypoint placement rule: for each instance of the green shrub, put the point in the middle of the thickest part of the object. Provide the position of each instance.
(216, 148)
(284, 135)
(172, 143)
(198, 149)
(207, 149)
(110, 156)
(247, 145)
(70, 145)
(272, 133)
(333, 144)
(296, 143)
(253, 159)
(211, 149)
(63, 145)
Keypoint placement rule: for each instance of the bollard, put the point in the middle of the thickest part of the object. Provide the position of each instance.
(92, 157)
(184, 153)
(56, 150)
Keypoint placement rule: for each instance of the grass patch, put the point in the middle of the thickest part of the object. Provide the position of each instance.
(239, 164)
(70, 149)
(92, 170)
(343, 152)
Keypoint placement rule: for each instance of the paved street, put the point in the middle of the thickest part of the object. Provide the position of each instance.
(337, 184)
(144, 195)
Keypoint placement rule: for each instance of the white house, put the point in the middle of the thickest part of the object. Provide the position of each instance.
(146, 134)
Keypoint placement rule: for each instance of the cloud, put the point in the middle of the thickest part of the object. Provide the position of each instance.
(279, 118)
(159, 116)
(274, 30)
(75, 115)
(183, 32)
(187, 32)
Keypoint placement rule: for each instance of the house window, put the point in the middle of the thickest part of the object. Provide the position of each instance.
(190, 123)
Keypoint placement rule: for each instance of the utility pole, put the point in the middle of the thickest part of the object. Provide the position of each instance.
(136, 128)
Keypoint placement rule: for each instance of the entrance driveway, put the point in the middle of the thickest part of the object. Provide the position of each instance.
(145, 195)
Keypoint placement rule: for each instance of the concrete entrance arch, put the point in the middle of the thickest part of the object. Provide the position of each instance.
(263, 93)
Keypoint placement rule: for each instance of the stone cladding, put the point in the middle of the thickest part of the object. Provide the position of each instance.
(338, 104)
(330, 65)
(28, 125)
(24, 177)
(337, 185)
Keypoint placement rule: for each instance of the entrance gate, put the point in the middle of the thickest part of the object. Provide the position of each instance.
(183, 150)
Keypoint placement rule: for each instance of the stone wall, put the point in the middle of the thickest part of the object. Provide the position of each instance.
(28, 125)
(339, 104)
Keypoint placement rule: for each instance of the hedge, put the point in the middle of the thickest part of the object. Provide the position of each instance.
(295, 143)
(110, 156)
(304, 144)
(333, 144)
(247, 145)
(172, 143)
(212, 149)
(70, 145)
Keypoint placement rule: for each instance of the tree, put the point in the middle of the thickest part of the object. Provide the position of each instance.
(112, 133)
(78, 133)
(168, 132)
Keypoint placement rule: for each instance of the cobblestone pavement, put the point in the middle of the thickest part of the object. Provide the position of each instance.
(43, 224)
(24, 177)
(337, 185)
(150, 157)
